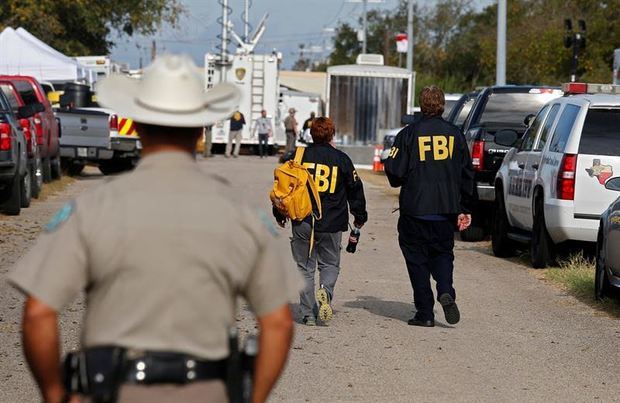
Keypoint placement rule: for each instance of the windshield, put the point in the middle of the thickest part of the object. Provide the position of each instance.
(512, 108)
(601, 132)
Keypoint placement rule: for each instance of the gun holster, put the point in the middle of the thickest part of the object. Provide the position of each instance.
(96, 372)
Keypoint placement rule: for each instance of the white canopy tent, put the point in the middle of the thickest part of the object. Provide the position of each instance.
(23, 54)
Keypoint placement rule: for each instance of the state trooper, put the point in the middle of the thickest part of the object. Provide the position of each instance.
(430, 161)
(162, 254)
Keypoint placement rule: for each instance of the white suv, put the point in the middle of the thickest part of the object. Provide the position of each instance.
(551, 186)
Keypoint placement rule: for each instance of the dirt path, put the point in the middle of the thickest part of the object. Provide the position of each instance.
(520, 339)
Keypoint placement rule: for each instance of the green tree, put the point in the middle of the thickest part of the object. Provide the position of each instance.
(80, 27)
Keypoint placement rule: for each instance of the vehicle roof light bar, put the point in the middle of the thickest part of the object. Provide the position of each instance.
(584, 88)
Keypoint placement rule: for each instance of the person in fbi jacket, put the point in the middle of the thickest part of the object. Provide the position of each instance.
(430, 161)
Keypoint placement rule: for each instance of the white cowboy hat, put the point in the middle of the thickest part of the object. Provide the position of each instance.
(170, 93)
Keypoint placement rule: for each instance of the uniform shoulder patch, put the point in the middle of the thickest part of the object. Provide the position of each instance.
(60, 217)
(268, 222)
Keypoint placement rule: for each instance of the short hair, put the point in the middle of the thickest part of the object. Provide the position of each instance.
(432, 101)
(322, 130)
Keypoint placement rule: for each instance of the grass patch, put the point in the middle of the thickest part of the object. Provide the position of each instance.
(54, 187)
(576, 275)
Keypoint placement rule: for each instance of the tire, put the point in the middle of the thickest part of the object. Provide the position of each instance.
(75, 168)
(36, 176)
(56, 170)
(46, 168)
(473, 234)
(542, 248)
(25, 191)
(602, 288)
(502, 245)
(12, 206)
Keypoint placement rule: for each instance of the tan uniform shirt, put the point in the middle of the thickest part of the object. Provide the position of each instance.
(162, 253)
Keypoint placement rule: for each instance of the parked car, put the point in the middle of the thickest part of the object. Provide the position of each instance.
(496, 108)
(607, 278)
(28, 127)
(46, 124)
(461, 109)
(14, 172)
(94, 135)
(551, 187)
(451, 102)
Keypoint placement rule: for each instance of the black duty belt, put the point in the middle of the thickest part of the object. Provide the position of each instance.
(164, 367)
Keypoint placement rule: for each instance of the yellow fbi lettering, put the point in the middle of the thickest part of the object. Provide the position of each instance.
(441, 147)
(325, 177)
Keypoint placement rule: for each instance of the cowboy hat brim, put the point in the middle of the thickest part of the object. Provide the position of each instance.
(120, 93)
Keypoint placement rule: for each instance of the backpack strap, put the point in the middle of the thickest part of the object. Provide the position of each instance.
(299, 154)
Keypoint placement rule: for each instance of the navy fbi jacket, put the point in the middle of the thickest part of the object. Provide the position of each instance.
(431, 162)
(338, 185)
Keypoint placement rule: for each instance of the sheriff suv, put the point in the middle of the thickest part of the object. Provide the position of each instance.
(550, 187)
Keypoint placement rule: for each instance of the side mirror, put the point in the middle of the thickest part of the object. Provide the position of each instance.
(529, 119)
(39, 107)
(613, 184)
(506, 138)
(25, 112)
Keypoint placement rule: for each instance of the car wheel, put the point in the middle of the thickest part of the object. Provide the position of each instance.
(56, 170)
(12, 206)
(542, 248)
(36, 178)
(502, 245)
(602, 288)
(46, 168)
(75, 168)
(473, 234)
(26, 190)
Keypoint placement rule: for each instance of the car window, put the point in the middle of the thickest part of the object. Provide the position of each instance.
(530, 135)
(465, 109)
(563, 129)
(512, 108)
(3, 104)
(601, 132)
(548, 124)
(450, 103)
(7, 89)
(26, 91)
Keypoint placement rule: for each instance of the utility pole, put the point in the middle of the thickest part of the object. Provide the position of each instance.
(365, 27)
(576, 40)
(410, 35)
(224, 51)
(500, 70)
(153, 50)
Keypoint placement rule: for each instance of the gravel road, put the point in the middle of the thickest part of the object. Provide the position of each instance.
(520, 338)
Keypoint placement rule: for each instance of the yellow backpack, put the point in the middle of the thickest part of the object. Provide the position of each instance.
(294, 192)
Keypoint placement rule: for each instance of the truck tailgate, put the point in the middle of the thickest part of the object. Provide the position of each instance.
(84, 128)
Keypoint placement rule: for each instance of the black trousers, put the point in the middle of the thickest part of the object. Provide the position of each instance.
(428, 248)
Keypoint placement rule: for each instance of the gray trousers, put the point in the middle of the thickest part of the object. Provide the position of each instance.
(325, 256)
(236, 136)
(291, 138)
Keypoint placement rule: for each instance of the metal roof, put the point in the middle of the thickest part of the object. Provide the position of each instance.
(368, 71)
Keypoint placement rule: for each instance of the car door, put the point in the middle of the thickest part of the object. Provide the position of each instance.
(516, 198)
(533, 161)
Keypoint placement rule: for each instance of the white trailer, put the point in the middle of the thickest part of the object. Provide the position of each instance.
(102, 65)
(256, 76)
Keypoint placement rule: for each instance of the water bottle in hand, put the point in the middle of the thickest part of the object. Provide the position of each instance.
(354, 238)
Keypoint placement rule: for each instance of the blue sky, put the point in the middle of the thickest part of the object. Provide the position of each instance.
(291, 22)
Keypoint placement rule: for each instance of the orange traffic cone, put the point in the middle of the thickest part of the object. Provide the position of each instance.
(377, 166)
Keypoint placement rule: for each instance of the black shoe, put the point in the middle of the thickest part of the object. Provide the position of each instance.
(450, 309)
(418, 322)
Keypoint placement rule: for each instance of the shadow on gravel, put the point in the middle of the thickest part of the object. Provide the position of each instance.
(397, 310)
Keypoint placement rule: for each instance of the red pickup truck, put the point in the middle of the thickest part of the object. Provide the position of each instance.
(46, 125)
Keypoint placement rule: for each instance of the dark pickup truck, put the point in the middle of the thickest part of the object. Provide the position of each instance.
(14, 172)
(496, 108)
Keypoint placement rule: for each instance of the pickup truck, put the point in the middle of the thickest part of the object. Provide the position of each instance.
(97, 136)
(14, 172)
(46, 124)
(495, 109)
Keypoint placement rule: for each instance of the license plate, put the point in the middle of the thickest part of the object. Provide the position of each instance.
(82, 152)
